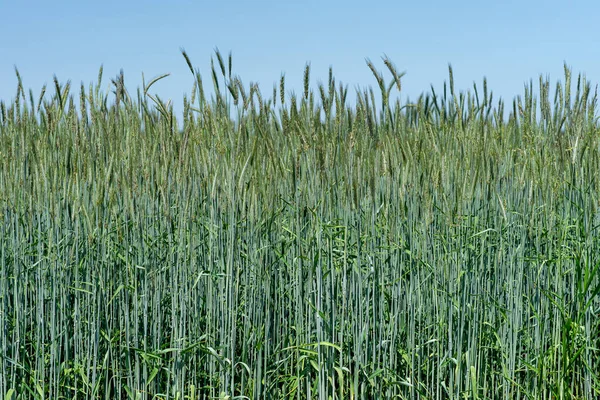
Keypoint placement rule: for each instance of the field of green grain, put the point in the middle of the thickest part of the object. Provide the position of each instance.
(300, 246)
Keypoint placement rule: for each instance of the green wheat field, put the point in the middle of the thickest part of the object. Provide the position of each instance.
(300, 246)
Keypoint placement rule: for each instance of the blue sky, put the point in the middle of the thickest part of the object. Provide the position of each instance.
(509, 42)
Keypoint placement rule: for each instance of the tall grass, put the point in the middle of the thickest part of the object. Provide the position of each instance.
(297, 247)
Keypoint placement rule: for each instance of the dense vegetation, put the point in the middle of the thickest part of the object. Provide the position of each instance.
(298, 247)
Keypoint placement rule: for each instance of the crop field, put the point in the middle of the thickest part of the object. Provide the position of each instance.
(300, 245)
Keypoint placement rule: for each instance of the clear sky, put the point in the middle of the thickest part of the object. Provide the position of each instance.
(509, 42)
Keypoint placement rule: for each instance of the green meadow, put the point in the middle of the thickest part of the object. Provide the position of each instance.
(300, 245)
